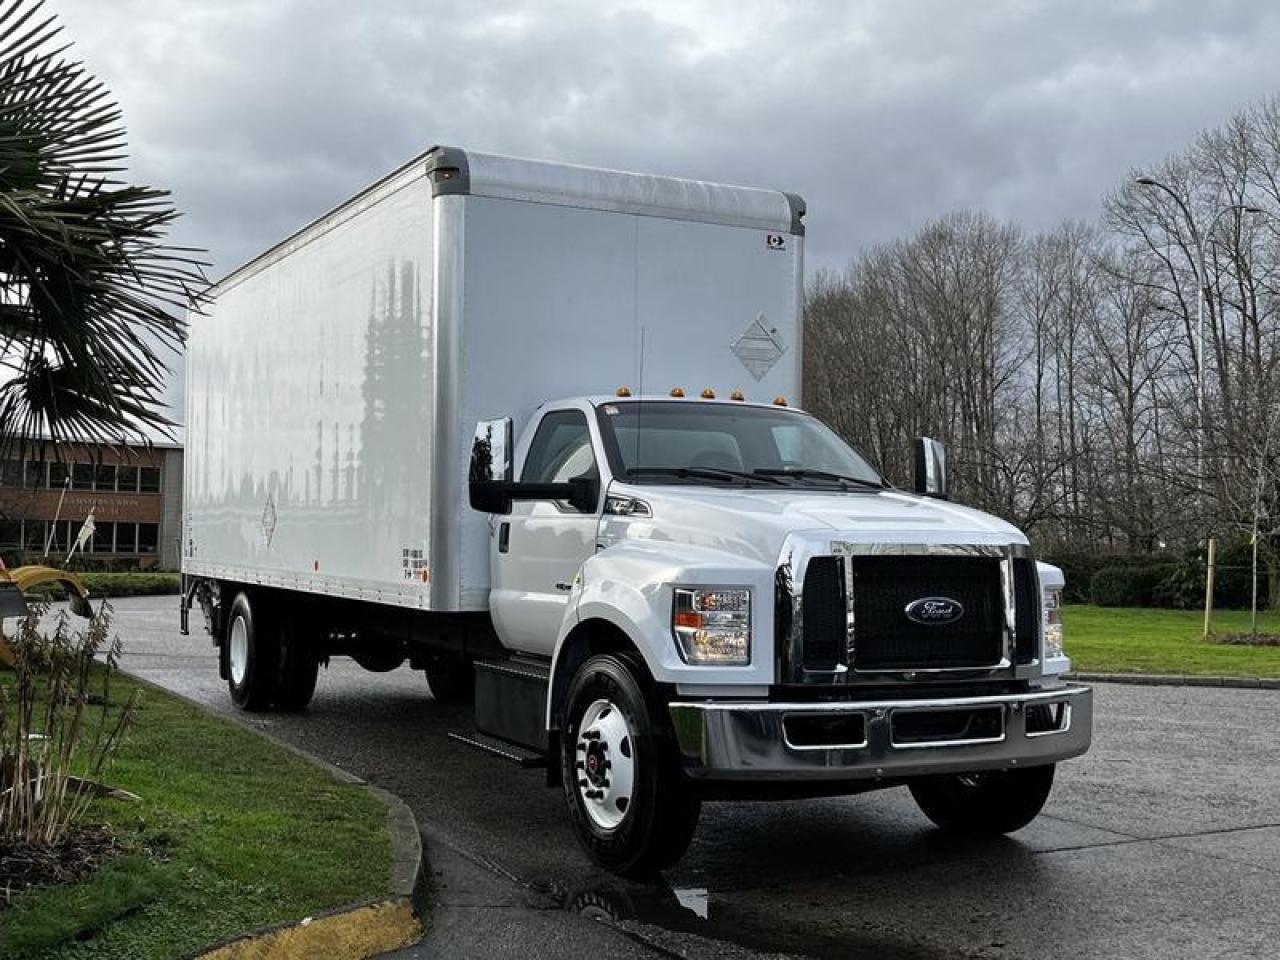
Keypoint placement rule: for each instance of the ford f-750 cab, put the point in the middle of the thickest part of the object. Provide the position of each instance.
(669, 585)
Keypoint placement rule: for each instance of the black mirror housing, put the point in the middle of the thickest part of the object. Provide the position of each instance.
(585, 495)
(490, 496)
(496, 496)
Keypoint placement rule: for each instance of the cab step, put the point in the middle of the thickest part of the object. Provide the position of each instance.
(511, 701)
(527, 759)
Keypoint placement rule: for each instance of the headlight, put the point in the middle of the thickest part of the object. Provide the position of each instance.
(713, 627)
(1053, 624)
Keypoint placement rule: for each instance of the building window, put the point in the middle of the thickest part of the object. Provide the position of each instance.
(10, 473)
(126, 538)
(149, 480)
(33, 535)
(103, 538)
(127, 479)
(36, 471)
(148, 537)
(62, 533)
(104, 477)
(58, 473)
(82, 476)
(10, 534)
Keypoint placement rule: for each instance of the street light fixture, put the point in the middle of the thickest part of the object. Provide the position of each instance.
(1202, 291)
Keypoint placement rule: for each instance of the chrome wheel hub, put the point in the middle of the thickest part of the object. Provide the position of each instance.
(238, 654)
(605, 765)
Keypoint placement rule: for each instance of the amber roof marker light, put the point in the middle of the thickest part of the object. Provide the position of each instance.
(623, 392)
(708, 394)
(737, 395)
(779, 401)
(677, 391)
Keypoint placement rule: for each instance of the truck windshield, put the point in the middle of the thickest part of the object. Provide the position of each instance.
(704, 442)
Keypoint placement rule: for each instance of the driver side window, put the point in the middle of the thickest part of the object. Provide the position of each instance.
(561, 450)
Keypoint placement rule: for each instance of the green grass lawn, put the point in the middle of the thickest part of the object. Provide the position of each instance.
(232, 833)
(1130, 640)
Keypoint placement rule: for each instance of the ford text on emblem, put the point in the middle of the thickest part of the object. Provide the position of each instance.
(934, 611)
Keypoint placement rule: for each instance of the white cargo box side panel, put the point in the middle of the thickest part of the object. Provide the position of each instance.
(558, 299)
(310, 401)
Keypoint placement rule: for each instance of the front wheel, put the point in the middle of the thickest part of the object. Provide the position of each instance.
(633, 808)
(984, 804)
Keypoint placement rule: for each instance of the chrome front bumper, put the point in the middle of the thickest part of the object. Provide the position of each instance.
(746, 740)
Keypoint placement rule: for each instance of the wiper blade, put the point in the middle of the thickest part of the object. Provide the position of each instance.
(804, 474)
(702, 473)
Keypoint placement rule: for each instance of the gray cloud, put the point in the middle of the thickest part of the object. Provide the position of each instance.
(261, 115)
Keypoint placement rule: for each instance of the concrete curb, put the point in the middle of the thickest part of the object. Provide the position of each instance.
(1179, 680)
(352, 931)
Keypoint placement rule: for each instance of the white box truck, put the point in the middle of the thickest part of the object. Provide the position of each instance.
(535, 429)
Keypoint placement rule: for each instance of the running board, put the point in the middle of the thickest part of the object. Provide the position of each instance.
(527, 759)
(511, 701)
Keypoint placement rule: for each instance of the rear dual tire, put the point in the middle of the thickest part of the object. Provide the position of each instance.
(451, 677)
(264, 661)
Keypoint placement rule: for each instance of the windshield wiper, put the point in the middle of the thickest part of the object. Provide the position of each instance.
(804, 474)
(702, 473)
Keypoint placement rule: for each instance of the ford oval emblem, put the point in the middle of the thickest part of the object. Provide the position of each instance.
(934, 611)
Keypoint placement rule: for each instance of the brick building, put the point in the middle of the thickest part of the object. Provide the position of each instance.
(135, 494)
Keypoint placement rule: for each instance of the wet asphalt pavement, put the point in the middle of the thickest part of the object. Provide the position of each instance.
(1162, 842)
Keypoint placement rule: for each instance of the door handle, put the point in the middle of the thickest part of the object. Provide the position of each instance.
(504, 537)
(564, 587)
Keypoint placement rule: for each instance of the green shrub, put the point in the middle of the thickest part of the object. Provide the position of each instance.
(1183, 587)
(117, 585)
(1129, 585)
(1233, 579)
(1080, 568)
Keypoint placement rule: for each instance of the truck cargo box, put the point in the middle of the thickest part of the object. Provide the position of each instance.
(333, 385)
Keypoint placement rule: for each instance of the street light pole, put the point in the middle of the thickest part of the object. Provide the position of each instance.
(1202, 294)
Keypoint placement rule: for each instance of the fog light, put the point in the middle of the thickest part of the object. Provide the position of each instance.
(712, 627)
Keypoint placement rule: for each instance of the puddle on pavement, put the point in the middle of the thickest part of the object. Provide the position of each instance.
(698, 911)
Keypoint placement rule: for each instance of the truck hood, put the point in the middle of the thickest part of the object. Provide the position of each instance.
(757, 522)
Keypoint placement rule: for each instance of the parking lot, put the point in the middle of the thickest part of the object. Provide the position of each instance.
(1163, 842)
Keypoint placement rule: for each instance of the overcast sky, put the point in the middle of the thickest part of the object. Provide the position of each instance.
(881, 113)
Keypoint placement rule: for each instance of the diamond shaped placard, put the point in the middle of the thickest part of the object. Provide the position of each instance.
(269, 519)
(759, 347)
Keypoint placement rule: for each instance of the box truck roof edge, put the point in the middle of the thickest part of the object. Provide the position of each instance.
(456, 171)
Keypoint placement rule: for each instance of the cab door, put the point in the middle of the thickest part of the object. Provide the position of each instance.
(537, 548)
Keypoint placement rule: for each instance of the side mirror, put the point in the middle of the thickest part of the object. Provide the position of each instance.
(585, 493)
(490, 471)
(931, 468)
(489, 480)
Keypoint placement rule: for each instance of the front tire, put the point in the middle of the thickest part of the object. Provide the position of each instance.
(632, 807)
(252, 653)
(985, 804)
